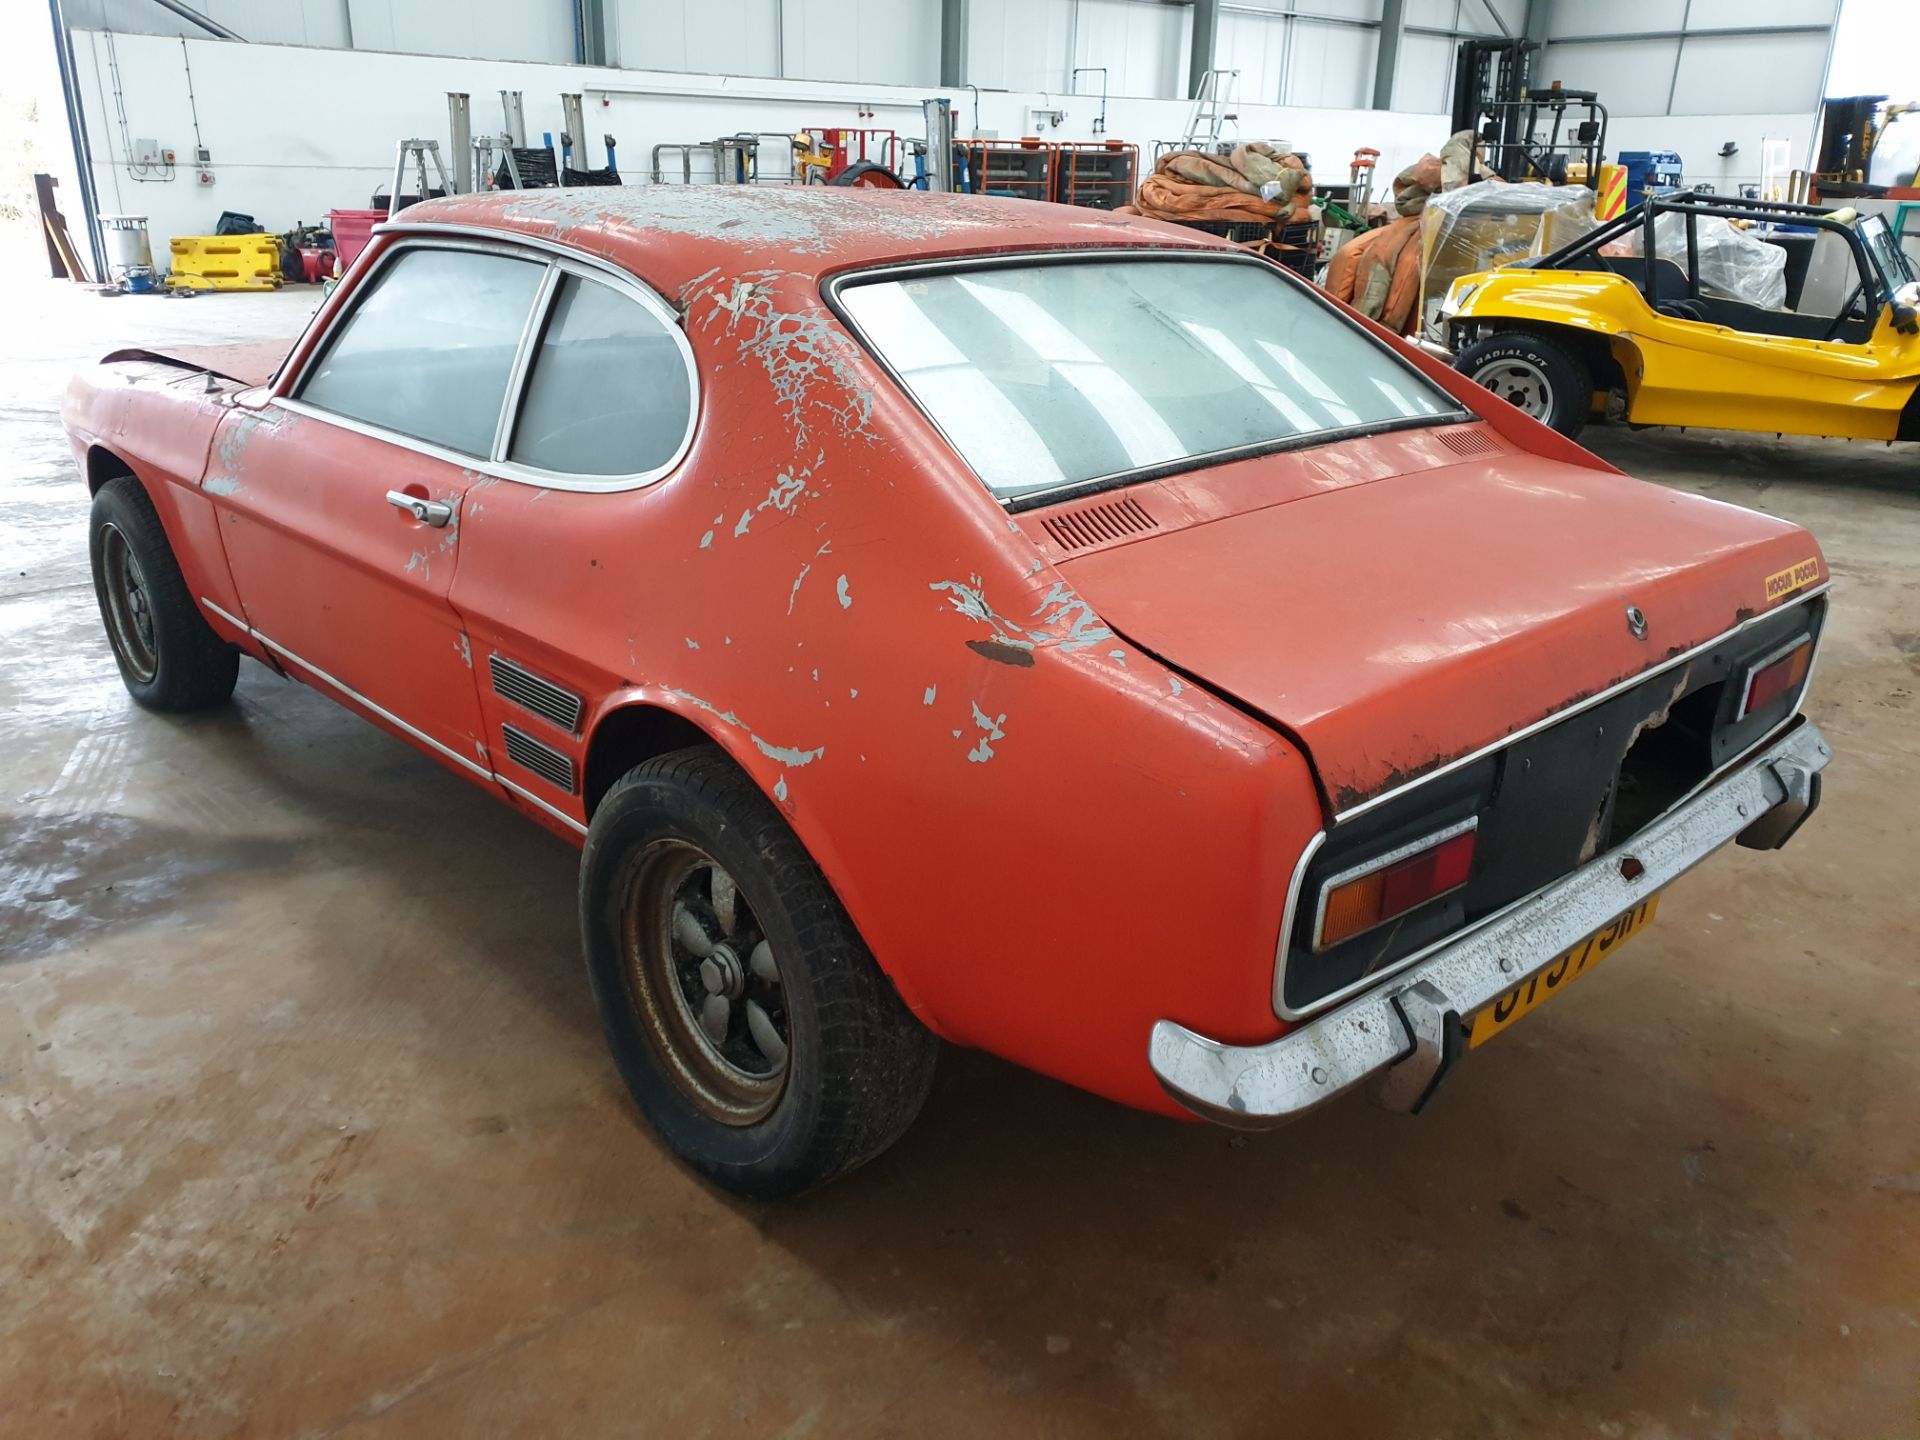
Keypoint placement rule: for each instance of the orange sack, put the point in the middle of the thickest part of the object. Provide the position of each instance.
(1191, 185)
(1378, 273)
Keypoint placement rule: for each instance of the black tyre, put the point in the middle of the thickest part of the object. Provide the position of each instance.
(168, 655)
(868, 175)
(755, 1031)
(1534, 374)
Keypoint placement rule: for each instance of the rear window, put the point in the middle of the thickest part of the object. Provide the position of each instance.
(1050, 375)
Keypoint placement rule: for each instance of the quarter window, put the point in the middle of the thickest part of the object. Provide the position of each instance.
(609, 392)
(429, 351)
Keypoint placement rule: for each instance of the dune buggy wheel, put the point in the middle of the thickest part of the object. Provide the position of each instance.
(1532, 374)
(169, 657)
(751, 1025)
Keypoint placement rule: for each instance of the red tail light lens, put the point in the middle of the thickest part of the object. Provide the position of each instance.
(1772, 678)
(1359, 900)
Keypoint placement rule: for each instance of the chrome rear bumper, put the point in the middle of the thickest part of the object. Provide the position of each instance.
(1405, 1034)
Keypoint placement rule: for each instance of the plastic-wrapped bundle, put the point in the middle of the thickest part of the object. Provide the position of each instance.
(1491, 223)
(1733, 264)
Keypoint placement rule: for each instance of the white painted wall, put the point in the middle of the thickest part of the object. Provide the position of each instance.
(740, 37)
(1694, 94)
(878, 41)
(286, 149)
(493, 29)
(1697, 140)
(1705, 74)
(1142, 43)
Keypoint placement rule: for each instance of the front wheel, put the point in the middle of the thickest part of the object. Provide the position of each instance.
(169, 657)
(1533, 374)
(753, 1028)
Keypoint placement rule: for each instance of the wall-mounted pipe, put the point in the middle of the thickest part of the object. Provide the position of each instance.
(1073, 81)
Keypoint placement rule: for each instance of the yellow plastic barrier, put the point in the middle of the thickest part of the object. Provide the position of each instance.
(225, 262)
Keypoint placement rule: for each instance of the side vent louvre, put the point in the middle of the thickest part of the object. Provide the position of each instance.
(1467, 442)
(539, 757)
(536, 696)
(1098, 524)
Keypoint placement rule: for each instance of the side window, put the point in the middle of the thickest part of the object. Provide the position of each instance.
(429, 350)
(608, 393)
(1833, 277)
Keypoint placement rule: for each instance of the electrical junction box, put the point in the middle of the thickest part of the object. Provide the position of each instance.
(146, 152)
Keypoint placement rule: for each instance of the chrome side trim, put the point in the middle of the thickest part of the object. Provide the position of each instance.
(530, 333)
(532, 799)
(1255, 1086)
(1600, 698)
(1380, 862)
(397, 722)
(233, 620)
(380, 710)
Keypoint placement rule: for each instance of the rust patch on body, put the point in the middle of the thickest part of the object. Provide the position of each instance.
(1003, 652)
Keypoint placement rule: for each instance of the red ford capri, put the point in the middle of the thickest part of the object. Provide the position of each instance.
(968, 619)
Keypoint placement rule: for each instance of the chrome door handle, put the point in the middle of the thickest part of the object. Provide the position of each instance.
(437, 513)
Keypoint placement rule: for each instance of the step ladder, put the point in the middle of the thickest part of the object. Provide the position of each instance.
(1210, 110)
(417, 153)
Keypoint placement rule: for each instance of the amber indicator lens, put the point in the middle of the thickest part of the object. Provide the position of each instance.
(1394, 889)
(1776, 678)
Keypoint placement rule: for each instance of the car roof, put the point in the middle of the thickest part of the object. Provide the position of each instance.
(673, 234)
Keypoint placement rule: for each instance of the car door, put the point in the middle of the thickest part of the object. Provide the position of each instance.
(341, 498)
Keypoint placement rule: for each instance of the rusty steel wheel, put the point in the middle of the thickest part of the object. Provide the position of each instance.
(129, 611)
(751, 1024)
(705, 983)
(169, 657)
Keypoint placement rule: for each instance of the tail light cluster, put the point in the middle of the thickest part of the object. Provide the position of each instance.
(1774, 676)
(1390, 885)
(1409, 871)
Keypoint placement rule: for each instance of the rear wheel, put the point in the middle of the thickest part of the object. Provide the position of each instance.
(1534, 374)
(168, 655)
(753, 1028)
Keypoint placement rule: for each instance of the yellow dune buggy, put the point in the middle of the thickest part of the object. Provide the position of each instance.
(1593, 329)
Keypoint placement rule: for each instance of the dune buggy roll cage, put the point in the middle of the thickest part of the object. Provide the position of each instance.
(1694, 206)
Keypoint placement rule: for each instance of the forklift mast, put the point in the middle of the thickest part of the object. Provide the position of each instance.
(1489, 76)
(1551, 134)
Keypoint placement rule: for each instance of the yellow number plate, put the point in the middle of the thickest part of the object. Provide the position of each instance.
(1567, 967)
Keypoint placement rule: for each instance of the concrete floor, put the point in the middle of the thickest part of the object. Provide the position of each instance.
(306, 1127)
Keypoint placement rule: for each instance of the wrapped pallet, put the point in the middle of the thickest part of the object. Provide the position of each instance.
(1491, 223)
